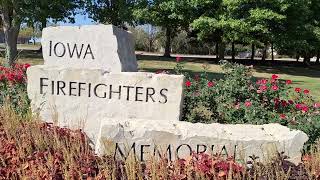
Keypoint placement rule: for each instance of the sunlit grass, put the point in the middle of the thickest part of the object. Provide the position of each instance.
(302, 77)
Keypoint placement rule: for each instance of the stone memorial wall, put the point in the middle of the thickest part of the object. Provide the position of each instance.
(90, 47)
(89, 81)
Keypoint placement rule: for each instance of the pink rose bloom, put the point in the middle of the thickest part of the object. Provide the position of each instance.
(210, 84)
(178, 59)
(275, 88)
(283, 116)
(288, 82)
(248, 103)
(316, 105)
(264, 81)
(263, 88)
(305, 109)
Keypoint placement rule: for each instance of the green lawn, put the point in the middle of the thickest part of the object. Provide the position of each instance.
(304, 77)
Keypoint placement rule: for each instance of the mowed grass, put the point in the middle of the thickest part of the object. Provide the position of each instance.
(303, 77)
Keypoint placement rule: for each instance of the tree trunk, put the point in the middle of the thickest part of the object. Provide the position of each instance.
(297, 57)
(217, 50)
(272, 51)
(264, 53)
(167, 52)
(253, 52)
(150, 45)
(306, 59)
(11, 37)
(233, 52)
(221, 51)
(11, 28)
(43, 23)
(318, 57)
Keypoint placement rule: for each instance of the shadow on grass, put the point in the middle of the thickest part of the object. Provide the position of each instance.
(211, 75)
(173, 59)
(313, 72)
(272, 67)
(32, 54)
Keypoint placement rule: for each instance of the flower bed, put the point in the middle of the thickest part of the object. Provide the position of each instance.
(30, 149)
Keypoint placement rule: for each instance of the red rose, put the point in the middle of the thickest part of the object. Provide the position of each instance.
(19, 77)
(26, 66)
(10, 76)
(274, 77)
(248, 103)
(288, 82)
(284, 103)
(264, 81)
(178, 59)
(210, 84)
(188, 83)
(283, 116)
(302, 107)
(275, 88)
(299, 106)
(263, 88)
(290, 102)
(2, 77)
(298, 90)
(306, 91)
(305, 109)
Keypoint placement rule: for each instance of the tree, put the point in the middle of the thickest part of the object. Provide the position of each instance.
(171, 15)
(30, 32)
(11, 17)
(262, 18)
(56, 10)
(300, 34)
(152, 35)
(220, 25)
(115, 12)
(14, 13)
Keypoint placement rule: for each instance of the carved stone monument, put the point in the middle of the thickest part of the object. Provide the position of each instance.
(88, 81)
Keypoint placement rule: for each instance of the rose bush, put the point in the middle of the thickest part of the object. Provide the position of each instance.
(13, 87)
(239, 98)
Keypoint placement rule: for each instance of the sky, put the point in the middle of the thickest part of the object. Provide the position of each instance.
(80, 20)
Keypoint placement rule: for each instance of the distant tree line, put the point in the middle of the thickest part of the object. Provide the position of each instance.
(291, 27)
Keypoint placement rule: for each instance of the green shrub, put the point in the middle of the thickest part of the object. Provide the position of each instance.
(240, 98)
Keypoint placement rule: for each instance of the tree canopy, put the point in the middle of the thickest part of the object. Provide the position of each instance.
(290, 26)
(14, 13)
